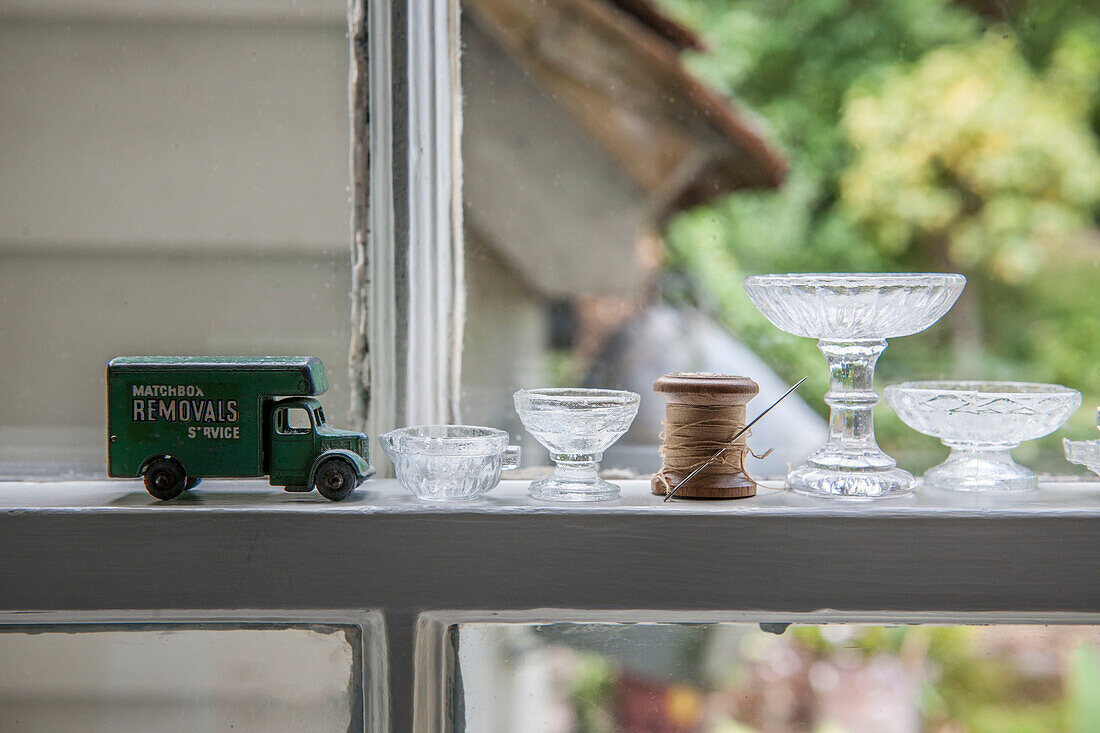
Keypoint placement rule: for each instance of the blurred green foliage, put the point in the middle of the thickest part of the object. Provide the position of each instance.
(977, 679)
(591, 690)
(1084, 688)
(971, 687)
(972, 155)
(922, 135)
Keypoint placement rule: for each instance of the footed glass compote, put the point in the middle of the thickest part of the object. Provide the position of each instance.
(852, 315)
(981, 422)
(576, 426)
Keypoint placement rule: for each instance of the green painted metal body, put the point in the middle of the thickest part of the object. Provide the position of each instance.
(223, 417)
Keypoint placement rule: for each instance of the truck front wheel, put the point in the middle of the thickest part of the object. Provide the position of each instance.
(165, 478)
(335, 479)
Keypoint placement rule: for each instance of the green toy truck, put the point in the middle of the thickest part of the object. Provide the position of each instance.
(176, 420)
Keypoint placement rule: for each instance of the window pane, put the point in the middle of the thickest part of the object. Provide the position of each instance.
(204, 677)
(624, 172)
(297, 419)
(174, 181)
(737, 678)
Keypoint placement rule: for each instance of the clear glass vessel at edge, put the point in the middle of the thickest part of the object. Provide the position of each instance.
(576, 426)
(1084, 452)
(852, 315)
(981, 422)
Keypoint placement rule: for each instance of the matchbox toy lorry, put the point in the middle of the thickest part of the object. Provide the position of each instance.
(174, 421)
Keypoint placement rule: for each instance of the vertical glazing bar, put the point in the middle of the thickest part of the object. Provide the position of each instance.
(435, 274)
(408, 291)
(401, 677)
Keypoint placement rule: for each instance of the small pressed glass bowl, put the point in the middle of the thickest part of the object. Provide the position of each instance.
(449, 462)
(981, 422)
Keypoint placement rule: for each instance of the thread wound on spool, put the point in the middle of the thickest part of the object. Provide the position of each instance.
(702, 414)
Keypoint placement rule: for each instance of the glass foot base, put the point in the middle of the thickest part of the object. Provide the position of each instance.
(966, 470)
(853, 484)
(552, 489)
(447, 498)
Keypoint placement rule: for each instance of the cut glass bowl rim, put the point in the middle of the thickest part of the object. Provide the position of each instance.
(943, 423)
(416, 439)
(993, 388)
(856, 279)
(854, 306)
(578, 397)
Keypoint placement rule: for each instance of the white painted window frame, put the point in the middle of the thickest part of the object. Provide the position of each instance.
(408, 296)
(415, 221)
(84, 548)
(369, 701)
(437, 646)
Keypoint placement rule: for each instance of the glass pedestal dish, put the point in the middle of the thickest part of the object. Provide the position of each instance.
(981, 422)
(576, 426)
(852, 315)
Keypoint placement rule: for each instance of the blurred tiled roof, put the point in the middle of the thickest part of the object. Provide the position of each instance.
(615, 66)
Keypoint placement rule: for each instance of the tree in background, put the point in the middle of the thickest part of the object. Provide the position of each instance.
(922, 135)
(971, 155)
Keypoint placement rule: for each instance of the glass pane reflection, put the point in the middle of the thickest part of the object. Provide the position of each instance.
(740, 678)
(124, 678)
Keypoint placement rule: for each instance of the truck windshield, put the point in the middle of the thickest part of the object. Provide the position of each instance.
(319, 416)
(292, 420)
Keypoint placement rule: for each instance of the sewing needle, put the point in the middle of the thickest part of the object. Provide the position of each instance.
(740, 432)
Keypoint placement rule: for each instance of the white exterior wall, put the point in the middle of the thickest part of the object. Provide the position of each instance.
(171, 181)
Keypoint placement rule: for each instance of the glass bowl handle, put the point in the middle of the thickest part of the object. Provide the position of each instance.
(510, 459)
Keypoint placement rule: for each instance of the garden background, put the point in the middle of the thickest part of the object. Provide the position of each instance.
(922, 135)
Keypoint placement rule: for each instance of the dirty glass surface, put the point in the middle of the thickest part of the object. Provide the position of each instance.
(123, 678)
(627, 163)
(745, 678)
(296, 420)
(173, 180)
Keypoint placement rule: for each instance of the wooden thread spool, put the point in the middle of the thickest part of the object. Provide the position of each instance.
(702, 413)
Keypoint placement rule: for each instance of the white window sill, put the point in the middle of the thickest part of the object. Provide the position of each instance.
(241, 544)
(1058, 495)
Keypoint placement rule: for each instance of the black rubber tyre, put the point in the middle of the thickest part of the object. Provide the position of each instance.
(335, 479)
(165, 478)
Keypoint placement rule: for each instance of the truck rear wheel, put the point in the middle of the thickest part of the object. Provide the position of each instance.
(165, 478)
(335, 479)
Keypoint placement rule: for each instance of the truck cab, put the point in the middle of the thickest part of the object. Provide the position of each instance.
(299, 442)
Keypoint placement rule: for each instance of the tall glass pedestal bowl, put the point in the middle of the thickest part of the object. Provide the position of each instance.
(981, 422)
(851, 316)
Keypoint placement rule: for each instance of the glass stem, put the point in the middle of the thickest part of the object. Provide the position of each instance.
(575, 469)
(852, 399)
(1000, 453)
